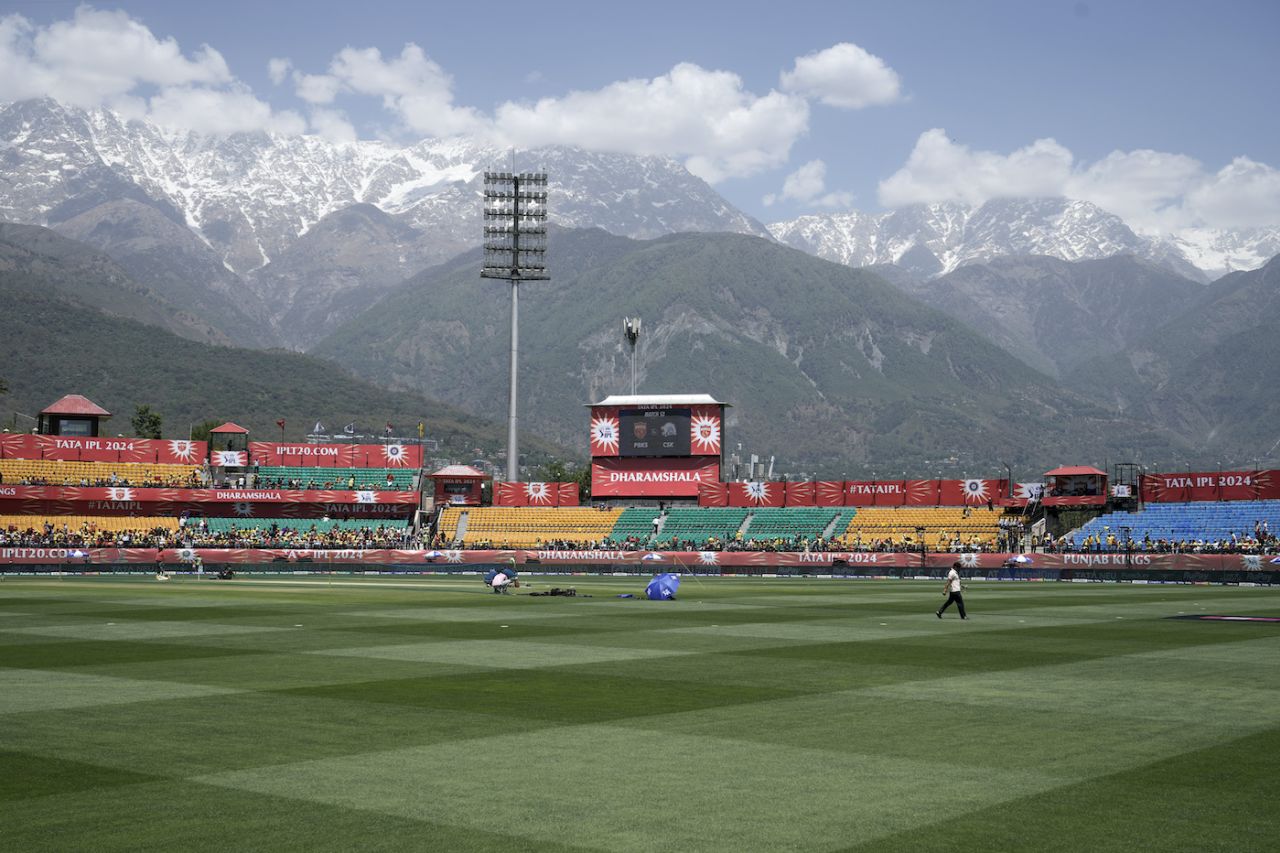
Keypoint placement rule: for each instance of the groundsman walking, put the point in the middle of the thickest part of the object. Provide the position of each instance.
(952, 589)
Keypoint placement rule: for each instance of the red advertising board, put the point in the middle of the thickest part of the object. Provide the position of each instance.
(396, 455)
(829, 493)
(567, 494)
(713, 494)
(801, 494)
(757, 493)
(510, 493)
(657, 478)
(1210, 486)
(76, 449)
(861, 562)
(875, 492)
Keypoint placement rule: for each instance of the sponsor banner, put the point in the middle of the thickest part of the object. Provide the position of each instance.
(78, 449)
(510, 493)
(713, 494)
(705, 430)
(875, 492)
(540, 494)
(567, 494)
(618, 477)
(757, 493)
(829, 493)
(1210, 486)
(606, 431)
(801, 494)
(73, 557)
(228, 458)
(923, 492)
(274, 453)
(677, 561)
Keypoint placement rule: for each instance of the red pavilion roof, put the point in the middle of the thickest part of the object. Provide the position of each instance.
(74, 404)
(229, 427)
(1074, 470)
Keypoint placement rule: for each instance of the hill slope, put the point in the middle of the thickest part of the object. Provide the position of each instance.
(37, 260)
(49, 348)
(1055, 314)
(830, 368)
(1210, 373)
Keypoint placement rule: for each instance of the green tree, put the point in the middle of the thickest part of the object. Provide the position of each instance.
(146, 423)
(200, 432)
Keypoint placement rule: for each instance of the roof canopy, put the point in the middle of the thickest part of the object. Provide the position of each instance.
(229, 427)
(461, 472)
(659, 401)
(74, 404)
(1074, 471)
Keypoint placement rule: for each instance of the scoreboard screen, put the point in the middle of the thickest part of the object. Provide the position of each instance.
(653, 432)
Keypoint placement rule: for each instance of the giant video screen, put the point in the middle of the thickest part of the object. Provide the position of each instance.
(653, 432)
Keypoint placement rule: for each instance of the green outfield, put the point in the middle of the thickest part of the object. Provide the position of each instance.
(415, 714)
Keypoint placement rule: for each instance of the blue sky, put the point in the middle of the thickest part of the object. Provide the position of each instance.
(1164, 111)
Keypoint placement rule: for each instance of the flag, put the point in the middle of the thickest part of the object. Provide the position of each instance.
(280, 423)
(318, 429)
(387, 431)
(422, 429)
(350, 429)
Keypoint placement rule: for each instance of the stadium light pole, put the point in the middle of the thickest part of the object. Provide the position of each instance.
(631, 330)
(515, 247)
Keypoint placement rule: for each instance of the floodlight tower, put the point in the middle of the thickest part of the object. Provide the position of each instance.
(515, 248)
(631, 331)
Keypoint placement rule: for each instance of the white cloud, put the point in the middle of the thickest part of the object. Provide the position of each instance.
(95, 57)
(332, 125)
(220, 111)
(1153, 191)
(278, 69)
(843, 75)
(705, 117)
(939, 169)
(1243, 194)
(316, 88)
(106, 58)
(411, 85)
(806, 185)
(1142, 187)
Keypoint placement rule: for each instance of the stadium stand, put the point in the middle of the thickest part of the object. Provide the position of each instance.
(223, 525)
(943, 526)
(635, 524)
(60, 473)
(528, 527)
(700, 525)
(335, 478)
(794, 524)
(1181, 525)
(79, 530)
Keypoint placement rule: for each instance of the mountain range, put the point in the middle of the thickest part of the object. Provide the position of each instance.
(273, 239)
(74, 322)
(1028, 330)
(247, 204)
(932, 239)
(829, 368)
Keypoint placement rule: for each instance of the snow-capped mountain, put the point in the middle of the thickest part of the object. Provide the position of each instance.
(934, 239)
(250, 196)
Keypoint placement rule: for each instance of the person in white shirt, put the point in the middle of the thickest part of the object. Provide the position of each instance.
(952, 590)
